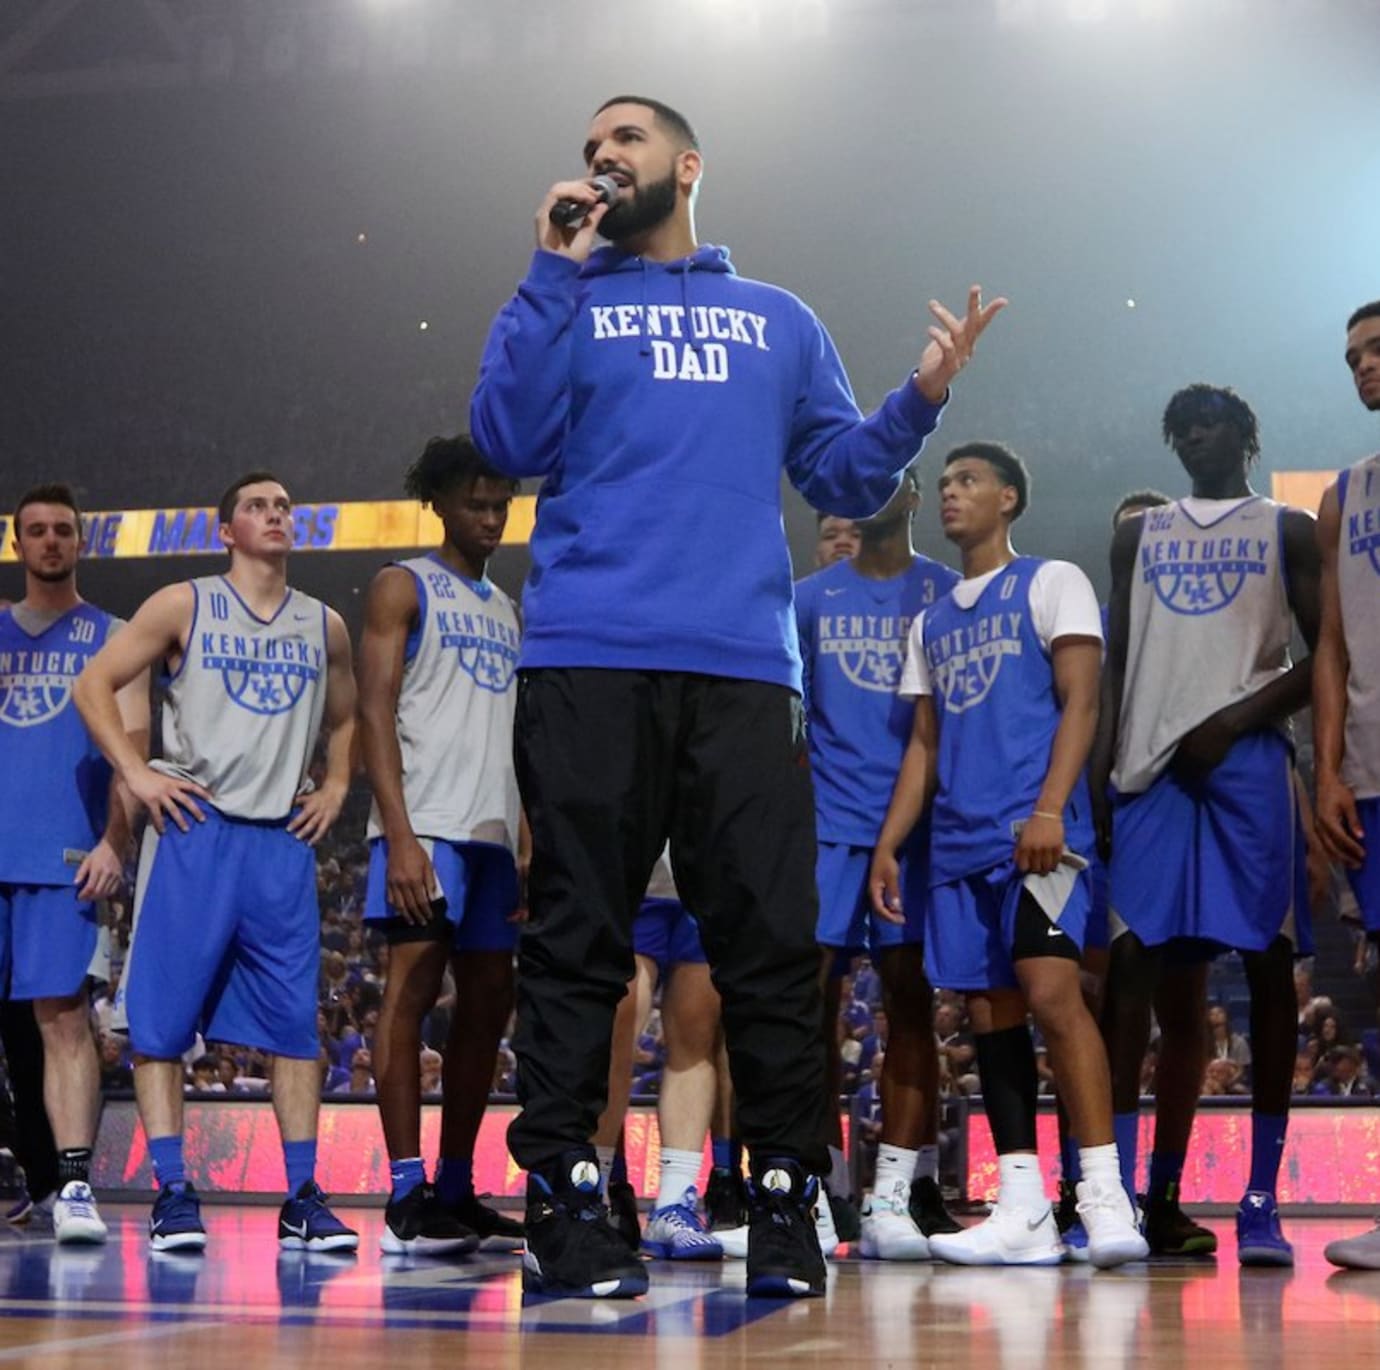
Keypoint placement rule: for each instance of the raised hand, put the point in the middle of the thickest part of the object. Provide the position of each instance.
(951, 343)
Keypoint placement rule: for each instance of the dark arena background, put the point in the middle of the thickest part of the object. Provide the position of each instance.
(249, 233)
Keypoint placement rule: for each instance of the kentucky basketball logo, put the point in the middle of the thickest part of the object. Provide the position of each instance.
(1200, 575)
(1363, 534)
(965, 663)
(869, 648)
(262, 675)
(30, 692)
(486, 647)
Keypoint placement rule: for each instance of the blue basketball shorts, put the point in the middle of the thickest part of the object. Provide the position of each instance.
(47, 939)
(1099, 935)
(479, 883)
(665, 932)
(978, 927)
(1365, 881)
(846, 918)
(227, 940)
(1215, 862)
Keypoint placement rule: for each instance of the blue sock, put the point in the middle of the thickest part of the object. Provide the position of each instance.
(299, 1159)
(1069, 1162)
(1126, 1129)
(618, 1171)
(454, 1179)
(405, 1176)
(722, 1148)
(168, 1166)
(1267, 1149)
(1166, 1168)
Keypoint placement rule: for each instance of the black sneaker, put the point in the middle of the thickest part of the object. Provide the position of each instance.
(1171, 1232)
(725, 1199)
(927, 1210)
(1066, 1210)
(623, 1213)
(572, 1250)
(496, 1231)
(417, 1225)
(783, 1260)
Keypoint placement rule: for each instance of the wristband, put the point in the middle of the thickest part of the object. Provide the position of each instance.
(1040, 813)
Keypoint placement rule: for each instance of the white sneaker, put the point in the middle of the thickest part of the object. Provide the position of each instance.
(824, 1224)
(1110, 1222)
(1009, 1235)
(75, 1218)
(734, 1241)
(889, 1232)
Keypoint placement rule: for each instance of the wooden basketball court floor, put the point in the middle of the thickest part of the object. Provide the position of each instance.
(243, 1304)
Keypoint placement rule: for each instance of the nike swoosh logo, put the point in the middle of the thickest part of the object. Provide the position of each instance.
(832, 593)
(1031, 1227)
(298, 1231)
(1055, 932)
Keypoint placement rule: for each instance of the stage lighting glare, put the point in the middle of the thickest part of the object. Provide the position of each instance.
(423, 326)
(1130, 304)
(362, 238)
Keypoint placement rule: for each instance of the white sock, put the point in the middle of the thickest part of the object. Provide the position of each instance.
(1021, 1184)
(679, 1170)
(840, 1182)
(893, 1163)
(1100, 1163)
(927, 1163)
(605, 1155)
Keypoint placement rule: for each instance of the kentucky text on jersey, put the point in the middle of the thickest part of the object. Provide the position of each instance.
(964, 662)
(1363, 530)
(871, 647)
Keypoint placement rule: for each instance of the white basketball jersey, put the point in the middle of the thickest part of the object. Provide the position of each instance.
(1210, 624)
(1358, 579)
(455, 710)
(243, 710)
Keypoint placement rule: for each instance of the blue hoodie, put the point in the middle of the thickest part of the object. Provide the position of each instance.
(660, 410)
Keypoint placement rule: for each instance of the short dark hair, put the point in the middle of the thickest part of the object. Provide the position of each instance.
(51, 492)
(1201, 403)
(671, 120)
(225, 511)
(1140, 499)
(1004, 462)
(447, 463)
(1366, 311)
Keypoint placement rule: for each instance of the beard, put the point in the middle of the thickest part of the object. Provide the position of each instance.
(55, 577)
(650, 206)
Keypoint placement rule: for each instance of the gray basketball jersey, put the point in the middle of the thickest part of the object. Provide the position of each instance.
(243, 711)
(1210, 624)
(1358, 579)
(455, 710)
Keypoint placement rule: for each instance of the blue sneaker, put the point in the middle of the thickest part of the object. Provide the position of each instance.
(306, 1224)
(175, 1223)
(1259, 1240)
(677, 1233)
(1075, 1239)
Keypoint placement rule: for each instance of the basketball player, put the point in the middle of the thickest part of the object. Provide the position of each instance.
(227, 931)
(436, 727)
(1004, 672)
(853, 618)
(668, 953)
(1195, 706)
(65, 829)
(1346, 682)
(836, 539)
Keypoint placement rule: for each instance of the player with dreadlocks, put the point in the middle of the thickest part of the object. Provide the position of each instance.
(436, 724)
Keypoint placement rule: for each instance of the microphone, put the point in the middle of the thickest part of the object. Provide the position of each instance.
(572, 213)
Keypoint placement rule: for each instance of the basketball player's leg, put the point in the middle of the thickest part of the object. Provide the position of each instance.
(725, 1198)
(484, 880)
(689, 1085)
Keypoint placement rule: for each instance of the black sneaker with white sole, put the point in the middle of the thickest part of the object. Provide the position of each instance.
(496, 1231)
(417, 1225)
(784, 1259)
(572, 1250)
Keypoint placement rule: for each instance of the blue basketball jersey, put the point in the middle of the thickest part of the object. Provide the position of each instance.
(54, 782)
(997, 711)
(853, 634)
